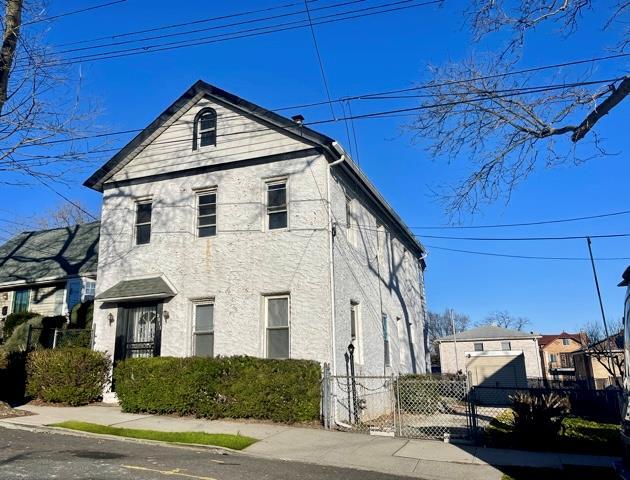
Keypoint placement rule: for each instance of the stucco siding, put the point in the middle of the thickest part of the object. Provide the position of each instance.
(373, 268)
(529, 347)
(236, 267)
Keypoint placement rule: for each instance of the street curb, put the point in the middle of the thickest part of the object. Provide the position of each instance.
(78, 433)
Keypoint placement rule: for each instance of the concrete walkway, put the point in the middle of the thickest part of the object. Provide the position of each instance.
(414, 458)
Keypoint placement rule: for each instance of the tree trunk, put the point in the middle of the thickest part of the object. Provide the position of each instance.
(12, 22)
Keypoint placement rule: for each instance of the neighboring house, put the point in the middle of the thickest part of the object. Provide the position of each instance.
(556, 355)
(601, 364)
(48, 271)
(492, 356)
(227, 229)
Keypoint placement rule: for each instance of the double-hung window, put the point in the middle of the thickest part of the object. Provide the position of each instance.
(143, 222)
(386, 355)
(277, 205)
(203, 332)
(478, 347)
(506, 346)
(207, 213)
(277, 326)
(21, 300)
(566, 341)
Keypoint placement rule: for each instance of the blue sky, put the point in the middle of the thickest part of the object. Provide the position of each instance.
(378, 53)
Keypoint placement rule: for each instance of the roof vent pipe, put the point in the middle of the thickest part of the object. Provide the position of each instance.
(299, 119)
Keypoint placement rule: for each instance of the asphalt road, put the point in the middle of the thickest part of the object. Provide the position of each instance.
(37, 455)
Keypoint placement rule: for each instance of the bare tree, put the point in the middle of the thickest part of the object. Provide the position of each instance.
(39, 107)
(65, 215)
(607, 351)
(503, 319)
(441, 325)
(510, 124)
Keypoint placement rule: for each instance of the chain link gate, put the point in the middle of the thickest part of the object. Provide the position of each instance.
(409, 406)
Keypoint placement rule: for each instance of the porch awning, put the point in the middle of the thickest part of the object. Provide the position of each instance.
(149, 288)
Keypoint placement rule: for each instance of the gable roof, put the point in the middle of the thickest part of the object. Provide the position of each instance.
(50, 254)
(547, 339)
(488, 333)
(331, 148)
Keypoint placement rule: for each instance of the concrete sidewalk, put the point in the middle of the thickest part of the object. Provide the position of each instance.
(414, 458)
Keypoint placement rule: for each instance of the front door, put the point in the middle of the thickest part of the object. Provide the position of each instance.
(138, 331)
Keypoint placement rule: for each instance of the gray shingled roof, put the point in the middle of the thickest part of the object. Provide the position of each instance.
(488, 333)
(56, 253)
(154, 287)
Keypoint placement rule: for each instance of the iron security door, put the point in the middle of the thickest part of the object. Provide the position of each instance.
(139, 331)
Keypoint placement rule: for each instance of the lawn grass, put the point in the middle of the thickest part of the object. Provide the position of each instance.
(579, 435)
(235, 442)
(566, 473)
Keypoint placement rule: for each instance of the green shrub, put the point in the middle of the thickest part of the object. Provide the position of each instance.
(81, 315)
(12, 376)
(222, 387)
(75, 376)
(18, 339)
(538, 416)
(13, 320)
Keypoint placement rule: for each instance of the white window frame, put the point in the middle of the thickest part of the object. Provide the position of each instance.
(195, 332)
(266, 299)
(270, 182)
(357, 340)
(200, 132)
(198, 194)
(139, 202)
(387, 353)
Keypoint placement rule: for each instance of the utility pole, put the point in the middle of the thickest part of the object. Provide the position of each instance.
(451, 314)
(601, 306)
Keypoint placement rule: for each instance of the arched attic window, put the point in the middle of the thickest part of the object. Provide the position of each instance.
(205, 128)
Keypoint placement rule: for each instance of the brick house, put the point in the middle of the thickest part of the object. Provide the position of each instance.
(227, 229)
(556, 354)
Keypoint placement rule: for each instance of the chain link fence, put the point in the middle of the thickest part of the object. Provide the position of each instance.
(413, 407)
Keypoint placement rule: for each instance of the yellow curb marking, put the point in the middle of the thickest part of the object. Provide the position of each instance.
(175, 471)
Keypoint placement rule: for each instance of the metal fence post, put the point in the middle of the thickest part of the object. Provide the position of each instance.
(28, 337)
(398, 410)
(54, 345)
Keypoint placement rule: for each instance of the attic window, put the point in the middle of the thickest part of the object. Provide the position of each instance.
(205, 128)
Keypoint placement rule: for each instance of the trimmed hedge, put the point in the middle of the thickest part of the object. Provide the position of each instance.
(222, 387)
(14, 320)
(75, 376)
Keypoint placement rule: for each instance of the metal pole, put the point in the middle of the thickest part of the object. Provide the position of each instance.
(452, 316)
(347, 357)
(601, 305)
(28, 337)
(354, 388)
(55, 339)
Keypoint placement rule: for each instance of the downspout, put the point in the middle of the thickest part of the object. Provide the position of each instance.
(331, 231)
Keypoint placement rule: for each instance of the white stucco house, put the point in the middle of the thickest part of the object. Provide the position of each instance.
(227, 229)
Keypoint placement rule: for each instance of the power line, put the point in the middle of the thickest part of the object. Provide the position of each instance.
(74, 12)
(235, 35)
(319, 58)
(523, 224)
(216, 27)
(318, 122)
(528, 257)
(183, 24)
(492, 239)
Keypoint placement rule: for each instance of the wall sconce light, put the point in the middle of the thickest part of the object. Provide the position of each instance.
(110, 318)
(5, 296)
(166, 315)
